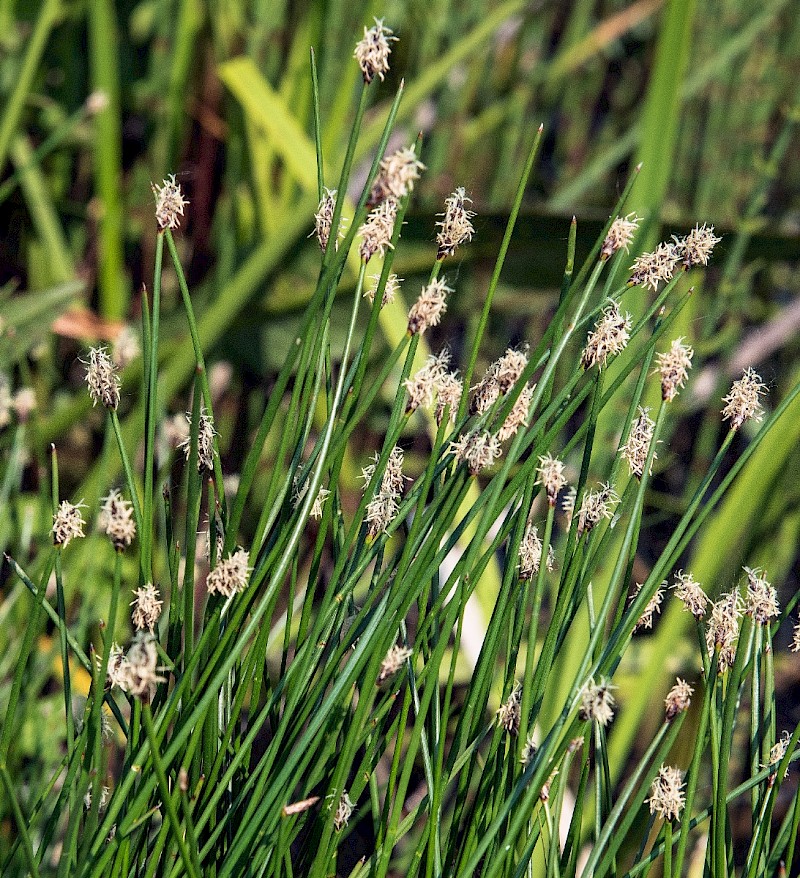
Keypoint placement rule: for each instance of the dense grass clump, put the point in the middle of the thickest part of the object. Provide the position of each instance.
(452, 670)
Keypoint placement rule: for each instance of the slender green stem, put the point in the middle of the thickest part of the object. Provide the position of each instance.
(166, 794)
(498, 267)
(151, 396)
(19, 818)
(202, 373)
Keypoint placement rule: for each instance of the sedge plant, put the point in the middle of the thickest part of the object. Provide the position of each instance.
(290, 702)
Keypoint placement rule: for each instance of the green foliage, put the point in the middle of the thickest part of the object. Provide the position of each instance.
(386, 678)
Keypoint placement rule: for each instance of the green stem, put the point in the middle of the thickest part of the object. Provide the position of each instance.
(151, 395)
(19, 817)
(166, 795)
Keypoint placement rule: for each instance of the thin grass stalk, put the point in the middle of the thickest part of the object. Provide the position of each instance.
(498, 267)
(530, 650)
(166, 794)
(151, 397)
(19, 819)
(31, 630)
(62, 615)
(344, 176)
(744, 787)
(616, 827)
(693, 774)
(193, 501)
(201, 371)
(126, 466)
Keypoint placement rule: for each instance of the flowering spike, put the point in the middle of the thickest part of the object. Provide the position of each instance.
(102, 378)
(170, 203)
(429, 307)
(673, 367)
(609, 336)
(373, 50)
(742, 403)
(455, 228)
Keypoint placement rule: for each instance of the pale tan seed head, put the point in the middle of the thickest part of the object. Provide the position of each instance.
(666, 793)
(678, 699)
(116, 519)
(620, 235)
(170, 203)
(68, 523)
(373, 50)
(429, 308)
(742, 403)
(455, 227)
(102, 378)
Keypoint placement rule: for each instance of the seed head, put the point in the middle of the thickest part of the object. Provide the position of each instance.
(68, 523)
(723, 628)
(761, 602)
(597, 702)
(666, 793)
(323, 218)
(116, 519)
(382, 509)
(397, 175)
(795, 647)
(422, 386)
(205, 442)
(636, 449)
(6, 400)
(24, 403)
(146, 608)
(690, 593)
(742, 402)
(140, 667)
(126, 347)
(455, 228)
(509, 712)
(508, 369)
(169, 203)
(609, 336)
(102, 378)
(568, 503)
(343, 813)
(653, 606)
(518, 416)
(104, 794)
(544, 793)
(395, 659)
(529, 750)
(389, 290)
(530, 553)
(484, 395)
(230, 576)
(650, 269)
(376, 232)
(500, 377)
(429, 307)
(478, 449)
(372, 52)
(673, 367)
(619, 235)
(316, 507)
(596, 506)
(776, 754)
(678, 699)
(550, 475)
(696, 247)
(448, 393)
(298, 495)
(115, 675)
